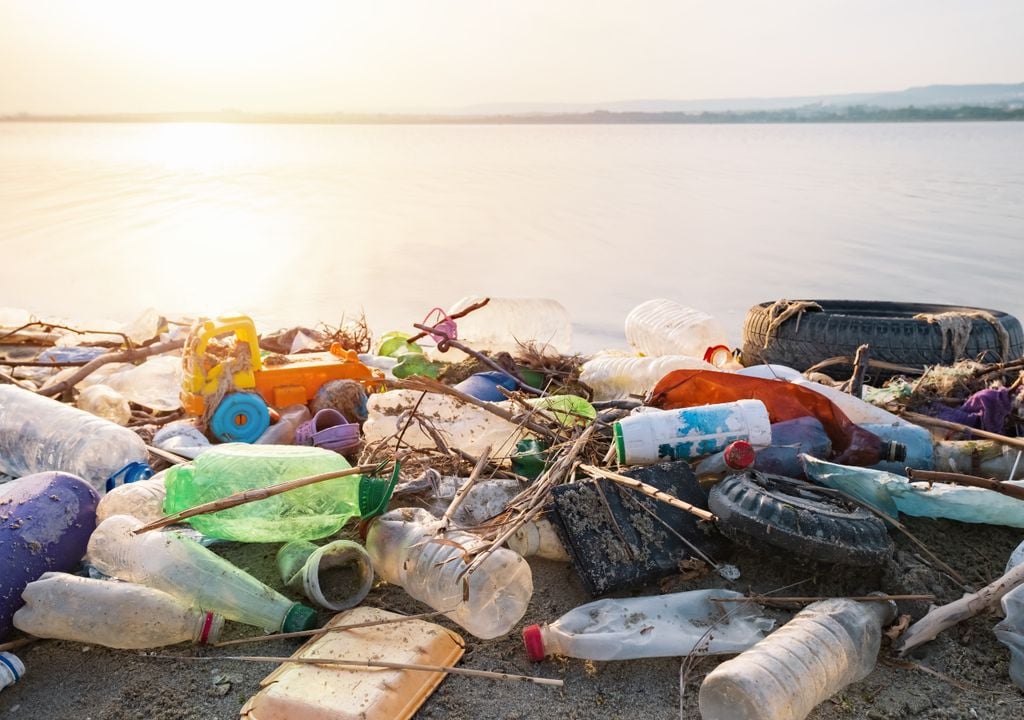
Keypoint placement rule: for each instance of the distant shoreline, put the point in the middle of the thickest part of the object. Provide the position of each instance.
(802, 115)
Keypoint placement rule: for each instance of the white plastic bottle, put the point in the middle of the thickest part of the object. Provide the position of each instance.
(39, 434)
(113, 614)
(654, 626)
(195, 575)
(143, 500)
(406, 551)
(538, 538)
(503, 324)
(616, 377)
(824, 648)
(689, 433)
(664, 327)
(11, 669)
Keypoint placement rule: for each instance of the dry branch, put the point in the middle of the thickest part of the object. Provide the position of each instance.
(129, 355)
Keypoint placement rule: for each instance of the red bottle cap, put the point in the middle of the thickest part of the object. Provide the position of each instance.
(739, 455)
(534, 642)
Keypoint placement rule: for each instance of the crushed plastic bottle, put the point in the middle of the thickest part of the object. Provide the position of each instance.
(824, 648)
(112, 614)
(195, 575)
(407, 551)
(617, 377)
(143, 500)
(105, 402)
(38, 434)
(505, 324)
(664, 327)
(671, 625)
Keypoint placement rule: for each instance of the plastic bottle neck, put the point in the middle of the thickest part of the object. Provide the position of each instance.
(206, 627)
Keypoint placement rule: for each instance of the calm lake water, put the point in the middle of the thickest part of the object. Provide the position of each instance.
(300, 223)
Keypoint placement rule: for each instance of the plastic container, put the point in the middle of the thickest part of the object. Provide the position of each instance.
(690, 433)
(617, 377)
(663, 327)
(985, 458)
(406, 551)
(505, 324)
(735, 457)
(654, 626)
(45, 522)
(790, 439)
(113, 614)
(917, 441)
(283, 431)
(38, 434)
(143, 500)
(11, 669)
(824, 648)
(1010, 632)
(306, 513)
(105, 402)
(335, 577)
(193, 574)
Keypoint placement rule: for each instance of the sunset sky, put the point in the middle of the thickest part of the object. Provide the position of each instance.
(82, 56)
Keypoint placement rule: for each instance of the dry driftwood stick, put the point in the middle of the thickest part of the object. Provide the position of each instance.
(367, 663)
(15, 644)
(130, 355)
(854, 385)
(461, 493)
(920, 419)
(648, 490)
(456, 316)
(1014, 491)
(946, 616)
(248, 496)
(325, 630)
(880, 364)
(760, 599)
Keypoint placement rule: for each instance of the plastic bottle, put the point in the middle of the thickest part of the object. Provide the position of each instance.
(616, 377)
(985, 458)
(654, 626)
(538, 538)
(39, 434)
(113, 614)
(306, 513)
(505, 324)
(790, 439)
(105, 402)
(11, 669)
(143, 500)
(488, 602)
(736, 456)
(919, 453)
(45, 523)
(689, 433)
(664, 327)
(336, 576)
(824, 648)
(283, 431)
(193, 574)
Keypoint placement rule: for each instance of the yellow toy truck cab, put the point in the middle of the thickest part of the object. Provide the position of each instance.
(230, 386)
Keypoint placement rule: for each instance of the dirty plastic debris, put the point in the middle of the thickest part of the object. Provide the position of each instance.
(12, 669)
(672, 625)
(181, 438)
(113, 614)
(105, 402)
(143, 500)
(1010, 632)
(617, 376)
(306, 513)
(283, 431)
(893, 494)
(45, 522)
(38, 434)
(690, 433)
(335, 577)
(195, 575)
(488, 602)
(664, 327)
(824, 648)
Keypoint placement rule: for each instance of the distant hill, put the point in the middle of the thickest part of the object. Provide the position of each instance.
(927, 96)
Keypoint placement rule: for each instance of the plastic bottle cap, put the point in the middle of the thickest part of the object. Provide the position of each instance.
(534, 641)
(375, 493)
(298, 618)
(739, 455)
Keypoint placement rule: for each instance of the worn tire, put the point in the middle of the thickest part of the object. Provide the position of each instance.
(889, 328)
(754, 506)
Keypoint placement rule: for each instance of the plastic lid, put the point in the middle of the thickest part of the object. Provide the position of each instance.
(738, 455)
(375, 493)
(299, 617)
(534, 641)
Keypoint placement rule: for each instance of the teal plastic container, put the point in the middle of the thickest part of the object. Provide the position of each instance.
(306, 513)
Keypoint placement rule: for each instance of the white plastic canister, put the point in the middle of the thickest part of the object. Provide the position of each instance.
(689, 433)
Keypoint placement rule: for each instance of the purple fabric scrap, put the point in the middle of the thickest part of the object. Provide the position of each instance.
(984, 410)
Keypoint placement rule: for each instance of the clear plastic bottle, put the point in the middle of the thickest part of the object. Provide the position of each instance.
(306, 513)
(985, 458)
(283, 431)
(671, 625)
(406, 551)
(664, 327)
(105, 402)
(824, 648)
(616, 377)
(503, 324)
(39, 434)
(143, 500)
(113, 614)
(195, 575)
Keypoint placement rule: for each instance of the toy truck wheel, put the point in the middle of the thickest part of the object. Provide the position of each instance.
(240, 417)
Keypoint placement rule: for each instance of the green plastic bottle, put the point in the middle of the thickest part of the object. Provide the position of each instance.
(306, 513)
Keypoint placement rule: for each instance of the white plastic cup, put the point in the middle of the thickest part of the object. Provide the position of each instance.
(11, 669)
(305, 567)
(689, 433)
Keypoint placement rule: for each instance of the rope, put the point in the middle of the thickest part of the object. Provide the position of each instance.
(956, 328)
(782, 310)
